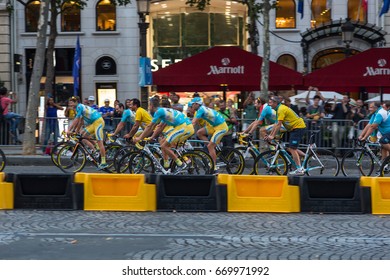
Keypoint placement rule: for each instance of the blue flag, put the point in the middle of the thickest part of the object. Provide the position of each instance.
(385, 7)
(76, 68)
(300, 7)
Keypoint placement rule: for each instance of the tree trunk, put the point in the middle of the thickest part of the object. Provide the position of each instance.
(33, 98)
(252, 27)
(266, 51)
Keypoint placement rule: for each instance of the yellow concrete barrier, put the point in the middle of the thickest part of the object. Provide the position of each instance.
(117, 192)
(6, 193)
(249, 193)
(380, 193)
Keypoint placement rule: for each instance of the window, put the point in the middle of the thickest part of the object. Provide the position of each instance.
(357, 10)
(287, 61)
(105, 16)
(285, 14)
(105, 66)
(321, 12)
(225, 29)
(196, 29)
(70, 17)
(32, 16)
(167, 30)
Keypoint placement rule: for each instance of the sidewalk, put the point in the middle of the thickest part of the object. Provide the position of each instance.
(14, 155)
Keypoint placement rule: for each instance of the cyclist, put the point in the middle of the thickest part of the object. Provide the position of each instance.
(380, 121)
(128, 116)
(293, 124)
(182, 130)
(217, 129)
(95, 125)
(142, 117)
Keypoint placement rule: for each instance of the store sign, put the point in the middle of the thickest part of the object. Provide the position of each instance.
(371, 71)
(225, 69)
(164, 63)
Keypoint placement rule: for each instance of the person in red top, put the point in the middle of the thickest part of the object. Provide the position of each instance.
(12, 118)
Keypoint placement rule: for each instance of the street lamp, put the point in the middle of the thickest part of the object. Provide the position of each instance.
(347, 29)
(143, 9)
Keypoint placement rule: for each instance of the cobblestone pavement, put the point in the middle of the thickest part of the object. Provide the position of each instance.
(186, 236)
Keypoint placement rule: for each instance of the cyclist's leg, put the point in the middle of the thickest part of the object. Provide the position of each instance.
(172, 137)
(295, 138)
(218, 133)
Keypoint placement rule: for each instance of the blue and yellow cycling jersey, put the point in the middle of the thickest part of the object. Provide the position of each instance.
(87, 113)
(169, 116)
(209, 115)
(268, 114)
(382, 119)
(128, 116)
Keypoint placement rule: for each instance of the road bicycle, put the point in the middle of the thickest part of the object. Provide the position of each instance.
(362, 159)
(149, 160)
(3, 160)
(248, 150)
(280, 162)
(74, 155)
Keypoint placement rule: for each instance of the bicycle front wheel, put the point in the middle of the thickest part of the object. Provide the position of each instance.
(384, 170)
(249, 159)
(3, 160)
(138, 162)
(231, 161)
(323, 162)
(357, 162)
(268, 163)
(196, 163)
(71, 158)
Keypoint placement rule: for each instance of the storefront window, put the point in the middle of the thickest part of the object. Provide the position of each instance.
(196, 29)
(321, 12)
(105, 16)
(32, 16)
(357, 10)
(70, 18)
(285, 14)
(225, 30)
(167, 30)
(287, 61)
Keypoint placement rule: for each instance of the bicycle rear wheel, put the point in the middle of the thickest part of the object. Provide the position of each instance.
(54, 152)
(196, 163)
(268, 163)
(249, 160)
(324, 162)
(231, 161)
(357, 162)
(384, 170)
(71, 158)
(3, 160)
(137, 162)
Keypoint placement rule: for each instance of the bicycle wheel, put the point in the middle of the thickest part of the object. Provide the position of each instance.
(54, 152)
(249, 158)
(268, 163)
(71, 158)
(139, 163)
(3, 160)
(384, 170)
(209, 160)
(196, 163)
(323, 162)
(111, 151)
(231, 161)
(357, 162)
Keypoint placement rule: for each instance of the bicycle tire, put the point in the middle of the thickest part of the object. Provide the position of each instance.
(111, 151)
(384, 170)
(71, 158)
(140, 163)
(3, 160)
(209, 160)
(357, 162)
(231, 161)
(54, 152)
(330, 162)
(197, 164)
(252, 158)
(263, 164)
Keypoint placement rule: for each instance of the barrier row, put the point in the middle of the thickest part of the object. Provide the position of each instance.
(232, 193)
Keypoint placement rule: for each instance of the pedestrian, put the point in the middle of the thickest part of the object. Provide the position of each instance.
(340, 112)
(250, 112)
(231, 121)
(358, 113)
(13, 119)
(175, 102)
(91, 103)
(107, 113)
(51, 123)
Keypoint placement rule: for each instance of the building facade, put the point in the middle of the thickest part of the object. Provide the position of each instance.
(302, 39)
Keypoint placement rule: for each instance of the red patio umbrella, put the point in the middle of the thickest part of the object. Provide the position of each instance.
(219, 68)
(369, 69)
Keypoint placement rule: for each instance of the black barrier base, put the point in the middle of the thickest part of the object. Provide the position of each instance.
(43, 191)
(190, 193)
(333, 195)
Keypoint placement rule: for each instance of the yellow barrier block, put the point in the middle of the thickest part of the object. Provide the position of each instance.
(223, 179)
(117, 192)
(380, 193)
(6, 193)
(249, 193)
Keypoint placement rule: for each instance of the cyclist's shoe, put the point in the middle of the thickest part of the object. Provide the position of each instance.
(102, 166)
(297, 172)
(180, 168)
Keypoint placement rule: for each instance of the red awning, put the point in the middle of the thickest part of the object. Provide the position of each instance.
(231, 66)
(369, 69)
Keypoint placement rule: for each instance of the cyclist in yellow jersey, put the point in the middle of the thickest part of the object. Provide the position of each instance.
(294, 124)
(142, 117)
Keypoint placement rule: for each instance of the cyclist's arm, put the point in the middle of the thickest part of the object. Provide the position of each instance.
(133, 130)
(370, 129)
(145, 133)
(160, 127)
(75, 126)
(119, 127)
(275, 129)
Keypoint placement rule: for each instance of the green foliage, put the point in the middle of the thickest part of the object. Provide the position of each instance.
(199, 4)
